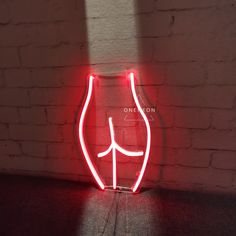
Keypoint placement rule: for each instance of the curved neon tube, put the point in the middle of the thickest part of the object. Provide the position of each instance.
(113, 153)
(148, 144)
(113, 147)
(81, 135)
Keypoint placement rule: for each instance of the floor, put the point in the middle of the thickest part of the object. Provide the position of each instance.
(31, 206)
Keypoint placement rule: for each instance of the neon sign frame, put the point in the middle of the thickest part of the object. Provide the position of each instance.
(114, 146)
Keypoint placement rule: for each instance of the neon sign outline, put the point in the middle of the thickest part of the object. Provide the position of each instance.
(81, 135)
(148, 144)
(114, 146)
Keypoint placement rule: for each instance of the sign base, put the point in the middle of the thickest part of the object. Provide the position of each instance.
(119, 189)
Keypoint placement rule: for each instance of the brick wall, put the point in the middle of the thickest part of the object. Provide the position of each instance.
(184, 52)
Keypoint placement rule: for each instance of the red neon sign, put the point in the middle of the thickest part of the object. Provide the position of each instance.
(114, 145)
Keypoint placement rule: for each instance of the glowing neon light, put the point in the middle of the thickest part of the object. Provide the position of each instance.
(81, 135)
(148, 144)
(113, 147)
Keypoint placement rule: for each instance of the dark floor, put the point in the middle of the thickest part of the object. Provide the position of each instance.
(37, 207)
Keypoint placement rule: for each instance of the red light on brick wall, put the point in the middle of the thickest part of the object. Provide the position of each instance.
(114, 146)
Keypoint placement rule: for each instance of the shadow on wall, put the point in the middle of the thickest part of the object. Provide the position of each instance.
(187, 62)
(43, 88)
(150, 26)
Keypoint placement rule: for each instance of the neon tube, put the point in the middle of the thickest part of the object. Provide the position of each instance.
(148, 144)
(113, 147)
(113, 153)
(81, 135)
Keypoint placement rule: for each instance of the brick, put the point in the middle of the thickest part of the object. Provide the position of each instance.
(189, 4)
(182, 48)
(222, 73)
(162, 156)
(97, 117)
(2, 79)
(147, 96)
(124, 170)
(61, 150)
(61, 114)
(41, 166)
(76, 76)
(151, 74)
(117, 69)
(175, 138)
(207, 96)
(144, 6)
(63, 166)
(56, 96)
(163, 118)
(234, 181)
(68, 55)
(12, 35)
(33, 115)
(9, 58)
(110, 29)
(197, 176)
(201, 23)
(213, 139)
(14, 97)
(69, 133)
(22, 163)
(223, 119)
(113, 96)
(44, 34)
(40, 11)
(193, 158)
(60, 77)
(95, 149)
(101, 135)
(35, 133)
(121, 158)
(154, 25)
(116, 51)
(106, 8)
(192, 118)
(135, 136)
(9, 148)
(121, 118)
(127, 27)
(186, 74)
(224, 160)
(4, 132)
(128, 171)
(47, 78)
(4, 13)
(73, 31)
(18, 78)
(127, 117)
(9, 115)
(153, 173)
(34, 149)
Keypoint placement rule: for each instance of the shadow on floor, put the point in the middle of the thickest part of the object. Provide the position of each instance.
(31, 206)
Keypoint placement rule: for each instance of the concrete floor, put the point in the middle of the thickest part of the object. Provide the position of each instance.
(45, 207)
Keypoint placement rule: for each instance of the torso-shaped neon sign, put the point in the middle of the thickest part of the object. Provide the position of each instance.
(114, 146)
